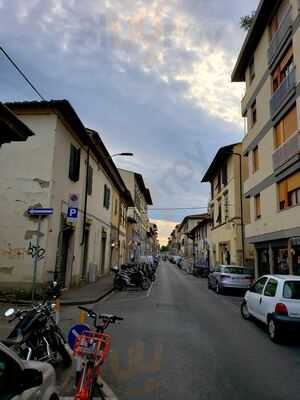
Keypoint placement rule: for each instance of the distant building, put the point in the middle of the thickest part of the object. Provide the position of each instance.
(225, 207)
(186, 242)
(138, 215)
(269, 64)
(201, 236)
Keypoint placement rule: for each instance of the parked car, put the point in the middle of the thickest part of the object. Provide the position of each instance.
(274, 300)
(230, 277)
(201, 270)
(25, 380)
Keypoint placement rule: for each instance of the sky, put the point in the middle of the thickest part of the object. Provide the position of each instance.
(151, 76)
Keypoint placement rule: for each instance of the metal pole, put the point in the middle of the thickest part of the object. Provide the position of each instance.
(36, 258)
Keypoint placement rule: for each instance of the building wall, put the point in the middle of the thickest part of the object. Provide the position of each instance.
(26, 180)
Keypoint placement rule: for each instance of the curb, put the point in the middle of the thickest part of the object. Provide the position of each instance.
(63, 302)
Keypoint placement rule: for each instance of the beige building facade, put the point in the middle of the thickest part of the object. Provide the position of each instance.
(225, 208)
(269, 64)
(62, 163)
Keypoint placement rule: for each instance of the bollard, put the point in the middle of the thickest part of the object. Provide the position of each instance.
(82, 316)
(57, 311)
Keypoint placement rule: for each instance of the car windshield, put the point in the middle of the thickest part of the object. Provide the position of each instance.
(291, 290)
(237, 270)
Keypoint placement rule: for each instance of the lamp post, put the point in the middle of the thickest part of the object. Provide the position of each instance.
(241, 203)
(122, 155)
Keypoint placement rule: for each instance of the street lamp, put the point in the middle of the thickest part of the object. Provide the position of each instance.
(241, 203)
(122, 155)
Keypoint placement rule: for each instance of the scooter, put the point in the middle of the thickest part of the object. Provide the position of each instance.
(130, 277)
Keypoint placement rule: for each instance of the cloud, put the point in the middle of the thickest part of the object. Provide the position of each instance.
(164, 229)
(153, 77)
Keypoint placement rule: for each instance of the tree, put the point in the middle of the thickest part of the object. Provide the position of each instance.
(247, 21)
(164, 248)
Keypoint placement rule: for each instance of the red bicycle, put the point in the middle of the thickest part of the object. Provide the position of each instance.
(91, 349)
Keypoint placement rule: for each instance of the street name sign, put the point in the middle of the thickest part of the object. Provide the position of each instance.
(40, 211)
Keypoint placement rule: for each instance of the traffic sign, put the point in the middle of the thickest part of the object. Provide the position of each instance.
(74, 332)
(72, 213)
(40, 211)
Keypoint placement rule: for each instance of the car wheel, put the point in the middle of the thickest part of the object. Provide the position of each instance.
(274, 332)
(244, 311)
(219, 289)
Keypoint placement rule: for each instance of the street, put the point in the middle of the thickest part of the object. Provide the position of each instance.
(183, 341)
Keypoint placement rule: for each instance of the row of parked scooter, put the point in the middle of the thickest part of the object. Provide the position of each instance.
(135, 275)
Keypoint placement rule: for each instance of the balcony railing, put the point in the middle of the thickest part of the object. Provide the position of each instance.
(288, 86)
(286, 151)
(279, 37)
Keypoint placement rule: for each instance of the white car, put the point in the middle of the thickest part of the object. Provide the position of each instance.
(25, 380)
(274, 300)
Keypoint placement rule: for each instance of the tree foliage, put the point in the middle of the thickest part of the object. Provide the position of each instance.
(247, 21)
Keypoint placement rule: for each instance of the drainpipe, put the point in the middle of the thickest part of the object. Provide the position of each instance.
(85, 196)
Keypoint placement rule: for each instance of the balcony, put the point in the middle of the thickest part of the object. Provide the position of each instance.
(287, 151)
(283, 93)
(279, 38)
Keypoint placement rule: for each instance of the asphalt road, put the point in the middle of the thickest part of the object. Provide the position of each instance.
(181, 341)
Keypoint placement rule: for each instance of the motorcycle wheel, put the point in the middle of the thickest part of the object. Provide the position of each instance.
(145, 284)
(63, 352)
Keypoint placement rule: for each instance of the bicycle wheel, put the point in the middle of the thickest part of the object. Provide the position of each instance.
(85, 385)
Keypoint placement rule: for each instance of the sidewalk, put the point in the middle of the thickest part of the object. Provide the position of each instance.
(88, 294)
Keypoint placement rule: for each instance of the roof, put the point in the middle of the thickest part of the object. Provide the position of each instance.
(144, 190)
(192, 217)
(11, 127)
(222, 154)
(88, 136)
(261, 19)
(284, 277)
(206, 220)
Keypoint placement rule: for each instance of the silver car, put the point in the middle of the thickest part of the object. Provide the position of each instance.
(230, 277)
(25, 380)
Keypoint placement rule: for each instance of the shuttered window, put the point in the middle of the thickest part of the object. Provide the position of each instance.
(106, 199)
(255, 159)
(289, 191)
(283, 69)
(90, 181)
(257, 207)
(253, 114)
(74, 164)
(286, 127)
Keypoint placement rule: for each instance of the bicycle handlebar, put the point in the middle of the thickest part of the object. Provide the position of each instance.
(105, 317)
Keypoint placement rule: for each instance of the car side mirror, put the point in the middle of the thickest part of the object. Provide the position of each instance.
(30, 378)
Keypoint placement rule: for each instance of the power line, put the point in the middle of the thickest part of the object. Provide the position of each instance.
(22, 73)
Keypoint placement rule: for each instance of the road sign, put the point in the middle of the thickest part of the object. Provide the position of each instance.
(40, 211)
(72, 213)
(74, 332)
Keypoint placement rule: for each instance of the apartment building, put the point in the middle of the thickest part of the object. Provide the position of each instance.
(174, 241)
(269, 64)
(229, 210)
(137, 215)
(201, 241)
(62, 163)
(186, 242)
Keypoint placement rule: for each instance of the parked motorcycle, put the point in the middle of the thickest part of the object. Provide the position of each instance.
(36, 335)
(129, 277)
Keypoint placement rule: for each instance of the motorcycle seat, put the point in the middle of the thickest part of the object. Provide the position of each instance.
(11, 341)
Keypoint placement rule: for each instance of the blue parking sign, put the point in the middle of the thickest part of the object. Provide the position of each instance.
(74, 332)
(72, 212)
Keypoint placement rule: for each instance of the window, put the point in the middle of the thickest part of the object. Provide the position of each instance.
(259, 286)
(291, 290)
(278, 18)
(289, 191)
(286, 127)
(224, 175)
(257, 207)
(106, 200)
(116, 207)
(253, 114)
(219, 217)
(252, 70)
(285, 66)
(90, 180)
(74, 164)
(255, 159)
(271, 287)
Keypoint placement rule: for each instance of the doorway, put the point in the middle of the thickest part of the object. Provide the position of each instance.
(85, 253)
(103, 252)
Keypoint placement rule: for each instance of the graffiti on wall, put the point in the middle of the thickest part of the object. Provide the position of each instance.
(36, 251)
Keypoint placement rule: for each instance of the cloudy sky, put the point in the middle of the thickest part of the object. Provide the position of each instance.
(153, 76)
